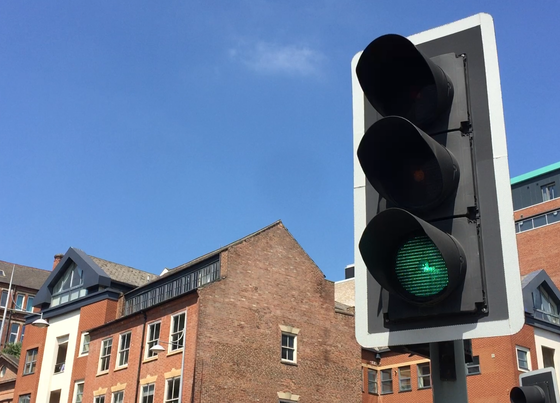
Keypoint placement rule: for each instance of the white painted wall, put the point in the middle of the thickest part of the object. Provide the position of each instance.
(66, 324)
(550, 340)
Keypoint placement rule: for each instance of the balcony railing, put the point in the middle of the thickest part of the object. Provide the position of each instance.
(181, 285)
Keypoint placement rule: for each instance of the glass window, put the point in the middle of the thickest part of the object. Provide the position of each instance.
(152, 339)
(22, 334)
(545, 306)
(553, 217)
(148, 393)
(24, 399)
(404, 379)
(2, 371)
(99, 399)
(124, 347)
(84, 345)
(61, 354)
(20, 299)
(372, 381)
(29, 305)
(523, 359)
(69, 287)
(105, 354)
(177, 329)
(548, 191)
(79, 392)
(4, 298)
(118, 397)
(473, 368)
(14, 332)
(30, 361)
(288, 347)
(386, 381)
(526, 225)
(172, 390)
(424, 380)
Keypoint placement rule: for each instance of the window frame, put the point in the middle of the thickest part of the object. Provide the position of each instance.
(527, 353)
(287, 348)
(15, 335)
(115, 395)
(105, 355)
(147, 395)
(177, 336)
(405, 379)
(61, 342)
(30, 360)
(151, 340)
(422, 376)
(170, 387)
(99, 399)
(24, 398)
(85, 340)
(373, 386)
(123, 352)
(29, 303)
(78, 392)
(16, 306)
(388, 381)
(3, 300)
(475, 365)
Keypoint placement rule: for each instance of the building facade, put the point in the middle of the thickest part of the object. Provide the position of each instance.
(253, 321)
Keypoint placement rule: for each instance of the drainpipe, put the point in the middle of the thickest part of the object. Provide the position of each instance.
(141, 355)
(8, 299)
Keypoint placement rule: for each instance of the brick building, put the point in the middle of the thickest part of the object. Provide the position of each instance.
(17, 296)
(252, 321)
(393, 377)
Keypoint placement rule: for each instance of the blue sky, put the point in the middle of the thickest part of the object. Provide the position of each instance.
(150, 133)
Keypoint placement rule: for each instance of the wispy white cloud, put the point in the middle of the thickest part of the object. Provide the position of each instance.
(268, 58)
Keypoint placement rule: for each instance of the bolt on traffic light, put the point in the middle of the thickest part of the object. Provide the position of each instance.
(429, 226)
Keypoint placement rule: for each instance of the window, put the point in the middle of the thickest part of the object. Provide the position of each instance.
(124, 347)
(548, 357)
(4, 298)
(386, 381)
(548, 191)
(118, 397)
(424, 380)
(84, 344)
(22, 334)
(523, 363)
(69, 287)
(14, 331)
(148, 393)
(473, 368)
(2, 371)
(105, 355)
(20, 298)
(30, 361)
(152, 339)
(404, 379)
(544, 306)
(61, 354)
(288, 347)
(177, 332)
(79, 392)
(372, 381)
(29, 305)
(172, 390)
(99, 399)
(24, 399)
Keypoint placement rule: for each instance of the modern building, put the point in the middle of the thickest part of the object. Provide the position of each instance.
(389, 376)
(253, 321)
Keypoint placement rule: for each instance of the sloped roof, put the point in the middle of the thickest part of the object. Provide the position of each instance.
(124, 274)
(24, 276)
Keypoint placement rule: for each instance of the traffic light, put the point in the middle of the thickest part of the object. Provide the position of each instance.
(538, 386)
(433, 210)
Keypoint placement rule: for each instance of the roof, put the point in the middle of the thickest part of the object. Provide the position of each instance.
(535, 173)
(124, 274)
(24, 276)
(11, 359)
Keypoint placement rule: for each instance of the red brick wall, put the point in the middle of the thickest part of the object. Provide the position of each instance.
(270, 281)
(155, 366)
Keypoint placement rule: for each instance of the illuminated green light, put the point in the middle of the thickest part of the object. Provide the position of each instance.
(420, 267)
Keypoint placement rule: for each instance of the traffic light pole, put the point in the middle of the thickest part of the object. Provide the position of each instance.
(449, 377)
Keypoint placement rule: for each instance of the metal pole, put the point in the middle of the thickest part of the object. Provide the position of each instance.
(449, 376)
(182, 362)
(8, 298)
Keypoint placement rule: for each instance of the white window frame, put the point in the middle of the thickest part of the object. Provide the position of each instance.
(424, 378)
(15, 335)
(152, 341)
(105, 355)
(4, 292)
(146, 393)
(177, 336)
(117, 397)
(30, 300)
(19, 308)
(123, 351)
(30, 361)
(84, 344)
(528, 355)
(61, 343)
(170, 388)
(99, 399)
(286, 348)
(76, 387)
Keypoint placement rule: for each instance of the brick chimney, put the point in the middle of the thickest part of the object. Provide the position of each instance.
(57, 258)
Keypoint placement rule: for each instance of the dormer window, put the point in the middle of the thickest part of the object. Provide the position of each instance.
(69, 287)
(545, 307)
